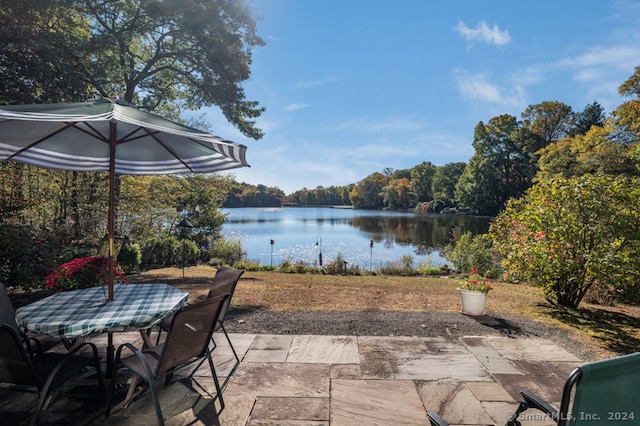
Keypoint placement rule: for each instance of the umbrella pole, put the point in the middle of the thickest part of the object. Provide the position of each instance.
(111, 232)
(112, 205)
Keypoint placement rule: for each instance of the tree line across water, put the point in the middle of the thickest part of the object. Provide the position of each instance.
(548, 141)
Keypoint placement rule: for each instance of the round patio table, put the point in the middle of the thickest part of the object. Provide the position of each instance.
(85, 312)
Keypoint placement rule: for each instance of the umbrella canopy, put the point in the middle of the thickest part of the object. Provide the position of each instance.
(105, 135)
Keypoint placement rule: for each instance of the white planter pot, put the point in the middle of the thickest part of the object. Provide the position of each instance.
(473, 302)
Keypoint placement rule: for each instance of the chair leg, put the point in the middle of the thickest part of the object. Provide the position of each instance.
(224, 330)
(233, 369)
(513, 419)
(39, 407)
(156, 401)
(215, 381)
(49, 399)
(132, 382)
(237, 363)
(159, 333)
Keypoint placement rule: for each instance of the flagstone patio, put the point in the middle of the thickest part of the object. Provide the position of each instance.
(341, 380)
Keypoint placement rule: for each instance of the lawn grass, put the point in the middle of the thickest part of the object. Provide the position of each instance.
(609, 330)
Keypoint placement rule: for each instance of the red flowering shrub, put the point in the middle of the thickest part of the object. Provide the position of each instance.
(83, 272)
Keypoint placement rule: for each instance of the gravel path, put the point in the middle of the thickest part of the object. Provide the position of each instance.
(374, 322)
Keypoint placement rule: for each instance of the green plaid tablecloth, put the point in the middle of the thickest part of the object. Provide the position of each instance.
(84, 312)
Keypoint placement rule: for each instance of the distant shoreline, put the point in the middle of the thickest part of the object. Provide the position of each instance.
(293, 205)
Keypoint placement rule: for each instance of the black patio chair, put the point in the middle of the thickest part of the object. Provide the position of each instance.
(224, 282)
(44, 373)
(34, 344)
(601, 392)
(187, 342)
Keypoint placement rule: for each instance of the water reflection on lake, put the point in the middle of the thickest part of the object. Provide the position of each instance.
(301, 234)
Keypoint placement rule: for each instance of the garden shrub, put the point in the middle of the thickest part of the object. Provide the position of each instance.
(163, 250)
(129, 257)
(298, 267)
(568, 235)
(83, 272)
(337, 266)
(404, 267)
(473, 251)
(286, 266)
(253, 265)
(188, 253)
(226, 252)
(426, 268)
(27, 254)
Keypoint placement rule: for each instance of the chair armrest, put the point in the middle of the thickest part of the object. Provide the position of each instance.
(33, 346)
(436, 420)
(534, 401)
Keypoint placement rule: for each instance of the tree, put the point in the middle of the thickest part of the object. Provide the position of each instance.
(499, 169)
(478, 189)
(401, 174)
(569, 235)
(33, 69)
(161, 55)
(557, 161)
(443, 183)
(398, 194)
(367, 194)
(592, 115)
(627, 115)
(546, 122)
(421, 181)
(246, 195)
(595, 152)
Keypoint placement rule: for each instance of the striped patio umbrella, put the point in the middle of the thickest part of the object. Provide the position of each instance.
(106, 135)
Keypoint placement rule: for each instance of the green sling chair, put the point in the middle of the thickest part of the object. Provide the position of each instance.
(606, 392)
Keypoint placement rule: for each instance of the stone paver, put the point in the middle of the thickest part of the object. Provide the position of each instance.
(324, 350)
(454, 402)
(269, 348)
(281, 379)
(291, 408)
(530, 350)
(339, 380)
(488, 391)
(458, 367)
(489, 357)
(376, 402)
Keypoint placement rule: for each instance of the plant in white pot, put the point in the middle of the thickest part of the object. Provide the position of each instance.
(473, 293)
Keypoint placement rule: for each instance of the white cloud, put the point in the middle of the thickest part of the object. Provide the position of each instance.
(616, 56)
(599, 70)
(479, 87)
(296, 106)
(484, 33)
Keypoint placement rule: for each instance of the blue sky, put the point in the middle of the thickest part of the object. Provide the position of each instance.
(354, 86)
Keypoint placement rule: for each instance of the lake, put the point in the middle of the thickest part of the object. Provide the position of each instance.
(308, 234)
